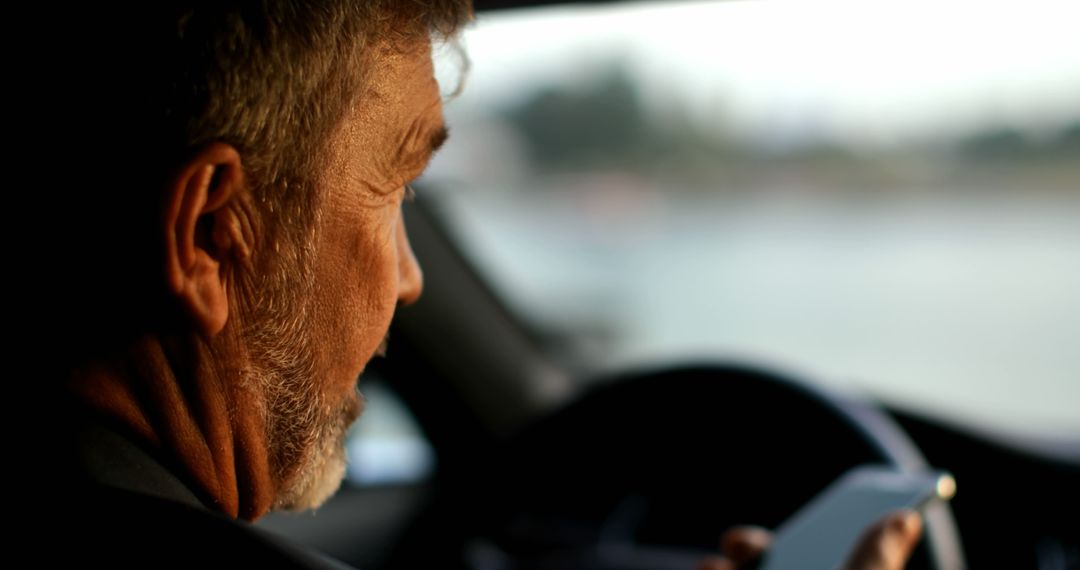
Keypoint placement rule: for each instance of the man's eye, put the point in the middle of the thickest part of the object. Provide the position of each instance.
(410, 194)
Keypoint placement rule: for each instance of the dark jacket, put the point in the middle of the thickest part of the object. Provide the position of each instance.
(110, 504)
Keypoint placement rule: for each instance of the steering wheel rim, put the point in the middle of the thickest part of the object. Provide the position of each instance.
(585, 486)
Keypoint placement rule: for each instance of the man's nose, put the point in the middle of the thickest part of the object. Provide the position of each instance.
(410, 276)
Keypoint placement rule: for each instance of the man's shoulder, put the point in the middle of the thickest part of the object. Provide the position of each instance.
(94, 497)
(120, 528)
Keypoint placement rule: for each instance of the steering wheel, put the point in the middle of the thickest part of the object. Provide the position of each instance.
(648, 469)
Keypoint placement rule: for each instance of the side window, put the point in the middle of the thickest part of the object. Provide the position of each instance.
(898, 217)
(386, 446)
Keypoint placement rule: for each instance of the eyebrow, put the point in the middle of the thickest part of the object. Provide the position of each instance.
(437, 139)
(419, 158)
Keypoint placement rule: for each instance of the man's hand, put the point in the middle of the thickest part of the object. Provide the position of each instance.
(742, 546)
(886, 545)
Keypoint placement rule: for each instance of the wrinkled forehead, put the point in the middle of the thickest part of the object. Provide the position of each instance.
(400, 82)
(387, 133)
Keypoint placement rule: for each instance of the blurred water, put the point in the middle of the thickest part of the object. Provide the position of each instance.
(963, 307)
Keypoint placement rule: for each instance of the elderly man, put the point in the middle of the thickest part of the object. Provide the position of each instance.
(230, 209)
(238, 265)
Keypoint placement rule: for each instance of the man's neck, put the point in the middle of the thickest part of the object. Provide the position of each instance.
(200, 421)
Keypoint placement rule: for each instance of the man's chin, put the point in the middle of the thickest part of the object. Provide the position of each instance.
(317, 483)
(321, 473)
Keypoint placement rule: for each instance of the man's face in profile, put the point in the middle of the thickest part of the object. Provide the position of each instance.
(356, 268)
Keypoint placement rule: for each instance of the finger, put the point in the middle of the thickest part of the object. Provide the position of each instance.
(744, 544)
(887, 544)
(716, 563)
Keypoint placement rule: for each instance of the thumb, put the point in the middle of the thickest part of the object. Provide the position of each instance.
(744, 544)
(887, 544)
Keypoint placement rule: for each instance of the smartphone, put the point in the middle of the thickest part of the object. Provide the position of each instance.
(823, 533)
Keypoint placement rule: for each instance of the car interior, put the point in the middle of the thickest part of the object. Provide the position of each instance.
(525, 420)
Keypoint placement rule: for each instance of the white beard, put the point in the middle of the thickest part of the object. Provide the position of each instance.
(305, 433)
(319, 475)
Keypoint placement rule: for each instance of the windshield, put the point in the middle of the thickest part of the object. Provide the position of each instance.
(886, 196)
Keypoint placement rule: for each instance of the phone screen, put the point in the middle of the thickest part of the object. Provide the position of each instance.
(824, 532)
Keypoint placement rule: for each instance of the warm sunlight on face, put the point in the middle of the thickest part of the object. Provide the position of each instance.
(362, 264)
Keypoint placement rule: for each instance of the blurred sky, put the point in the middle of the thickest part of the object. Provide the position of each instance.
(860, 71)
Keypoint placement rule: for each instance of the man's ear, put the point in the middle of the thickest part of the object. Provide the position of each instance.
(201, 233)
